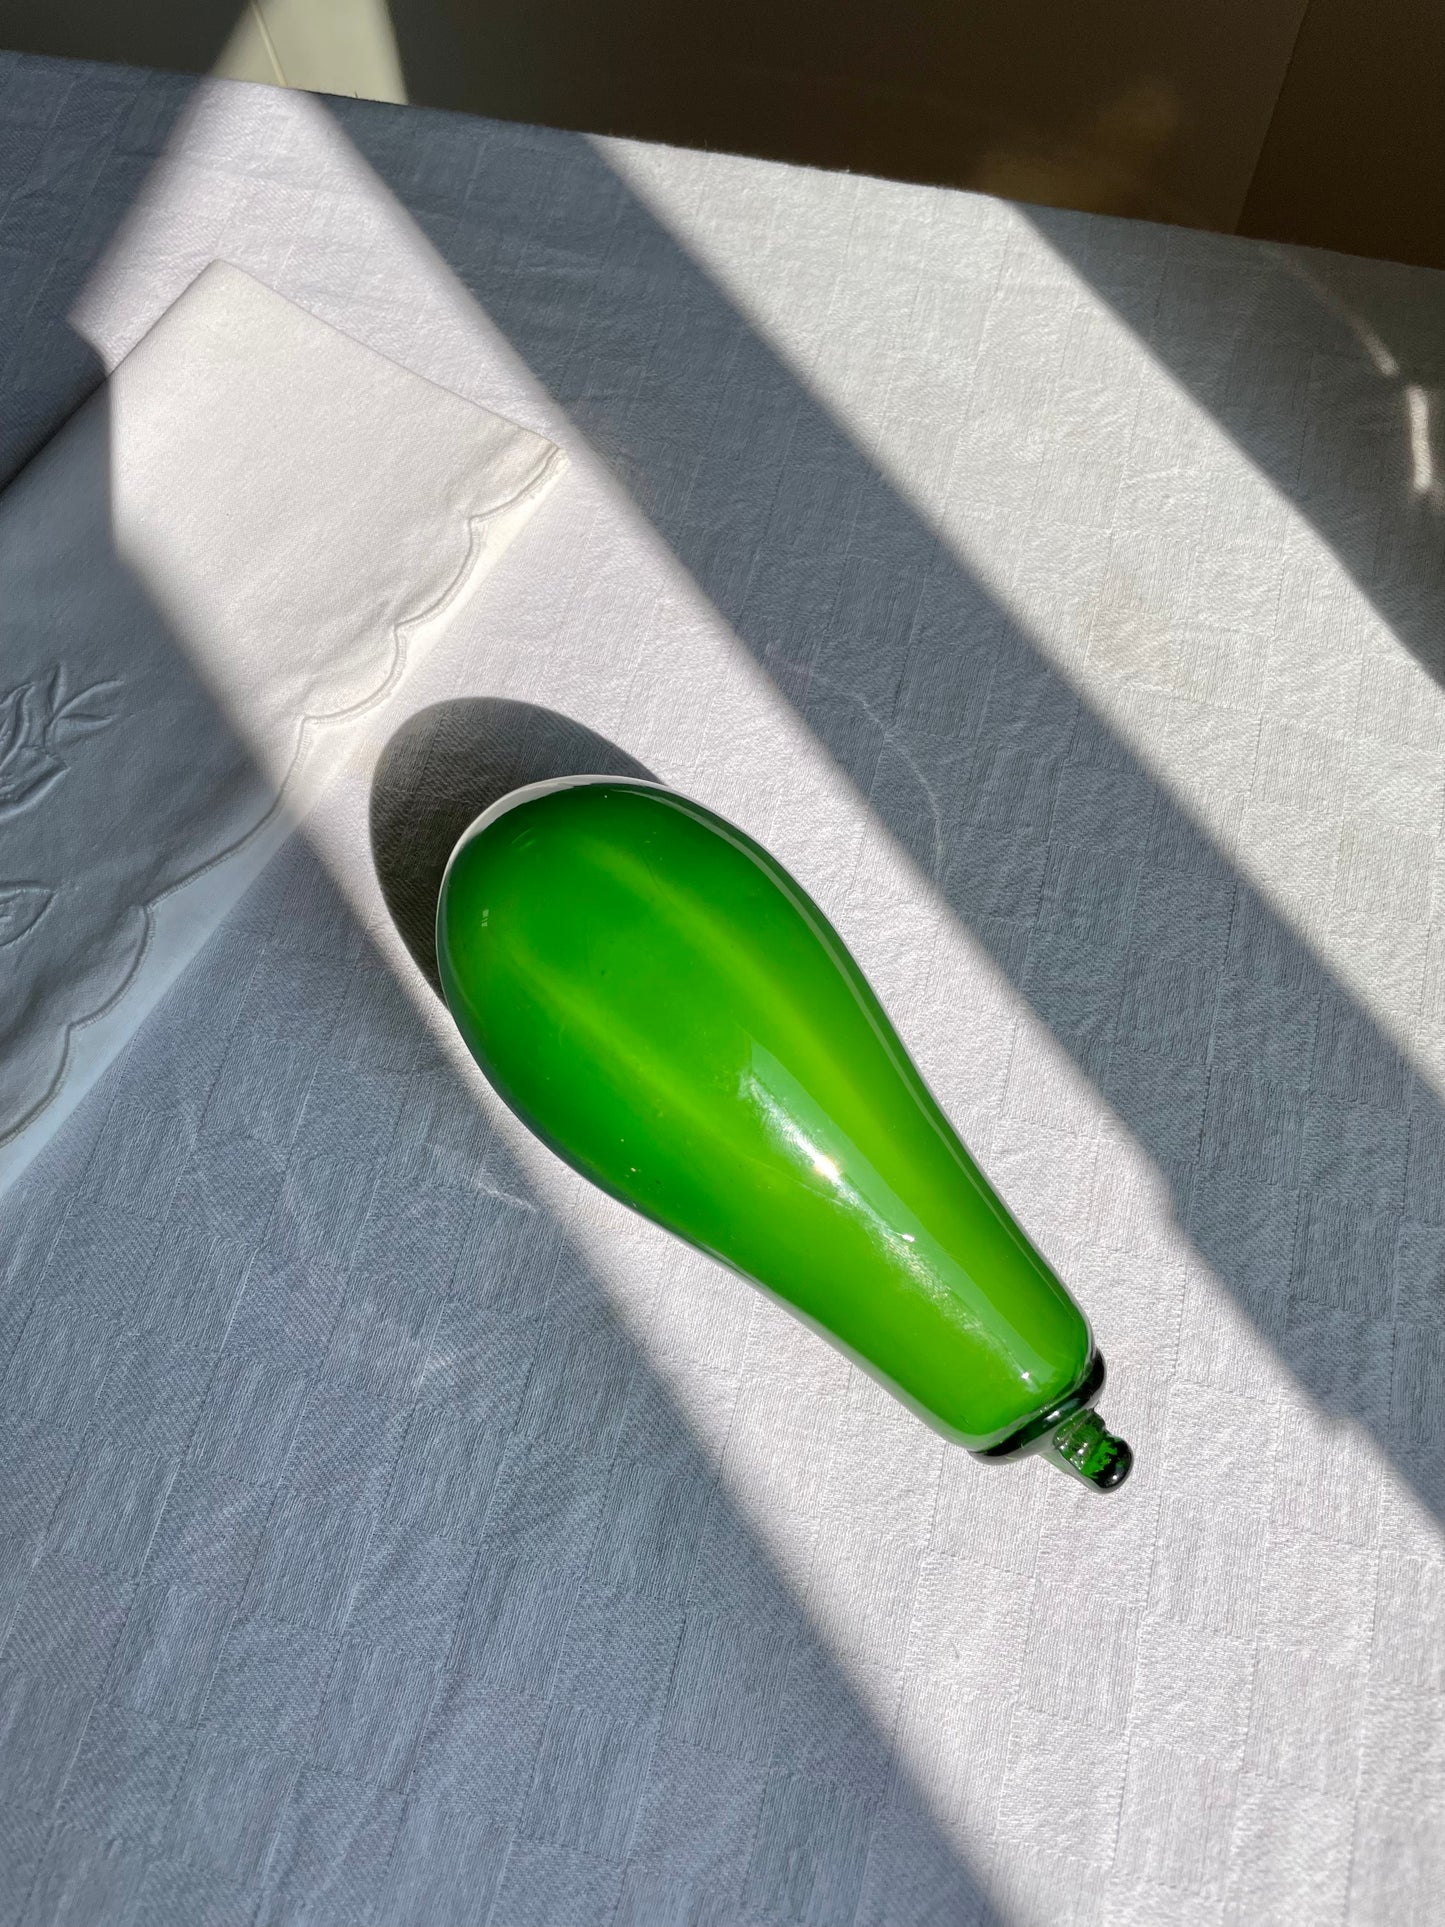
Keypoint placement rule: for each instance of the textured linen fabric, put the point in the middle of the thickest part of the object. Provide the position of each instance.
(394, 1530)
(225, 560)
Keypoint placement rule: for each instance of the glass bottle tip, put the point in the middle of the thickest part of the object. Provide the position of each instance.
(1084, 1446)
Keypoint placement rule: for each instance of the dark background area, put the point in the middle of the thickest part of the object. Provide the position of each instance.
(1315, 121)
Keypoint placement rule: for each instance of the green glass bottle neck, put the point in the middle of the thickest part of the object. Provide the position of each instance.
(1072, 1436)
(1084, 1446)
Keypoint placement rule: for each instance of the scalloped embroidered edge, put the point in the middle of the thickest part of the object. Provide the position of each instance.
(308, 726)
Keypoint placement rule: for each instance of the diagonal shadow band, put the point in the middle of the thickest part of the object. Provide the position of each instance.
(1365, 340)
(1298, 1147)
(77, 152)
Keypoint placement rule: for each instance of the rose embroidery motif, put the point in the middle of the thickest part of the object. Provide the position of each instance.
(37, 721)
(22, 905)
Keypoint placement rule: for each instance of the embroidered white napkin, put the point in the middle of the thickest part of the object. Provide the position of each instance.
(217, 567)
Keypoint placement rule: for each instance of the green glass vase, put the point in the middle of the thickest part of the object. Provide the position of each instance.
(661, 1003)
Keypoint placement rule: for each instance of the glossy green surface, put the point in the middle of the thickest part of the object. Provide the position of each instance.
(661, 1003)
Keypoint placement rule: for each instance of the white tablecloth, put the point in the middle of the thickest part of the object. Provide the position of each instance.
(391, 1528)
